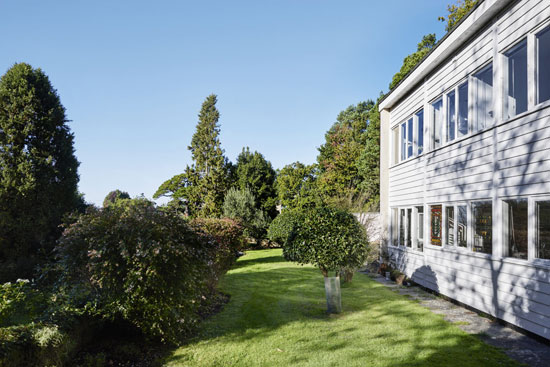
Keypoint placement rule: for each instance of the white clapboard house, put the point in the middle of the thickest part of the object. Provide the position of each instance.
(465, 165)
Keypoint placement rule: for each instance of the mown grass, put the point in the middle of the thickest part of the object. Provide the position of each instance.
(277, 317)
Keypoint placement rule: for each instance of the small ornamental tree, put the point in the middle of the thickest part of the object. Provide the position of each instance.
(330, 239)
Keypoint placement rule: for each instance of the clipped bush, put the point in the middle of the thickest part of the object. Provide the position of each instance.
(331, 239)
(135, 262)
(281, 227)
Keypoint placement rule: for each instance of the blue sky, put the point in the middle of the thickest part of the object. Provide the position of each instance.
(133, 74)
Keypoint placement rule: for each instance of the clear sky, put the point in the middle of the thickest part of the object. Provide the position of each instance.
(133, 74)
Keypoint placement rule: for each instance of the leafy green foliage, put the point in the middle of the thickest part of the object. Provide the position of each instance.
(38, 169)
(201, 188)
(254, 172)
(457, 11)
(20, 303)
(328, 238)
(227, 235)
(114, 196)
(368, 162)
(135, 262)
(340, 179)
(282, 226)
(296, 185)
(241, 205)
(409, 63)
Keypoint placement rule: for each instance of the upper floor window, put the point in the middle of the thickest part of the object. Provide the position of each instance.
(462, 110)
(516, 85)
(543, 65)
(437, 123)
(482, 85)
(420, 132)
(457, 113)
(451, 116)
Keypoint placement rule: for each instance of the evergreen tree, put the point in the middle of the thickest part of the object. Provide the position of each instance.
(202, 187)
(254, 172)
(38, 169)
(423, 48)
(339, 179)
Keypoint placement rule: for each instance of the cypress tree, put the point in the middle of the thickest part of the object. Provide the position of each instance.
(38, 169)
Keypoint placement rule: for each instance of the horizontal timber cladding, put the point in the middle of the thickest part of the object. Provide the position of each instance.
(509, 159)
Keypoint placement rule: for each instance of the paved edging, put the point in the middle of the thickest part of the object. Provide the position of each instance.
(516, 345)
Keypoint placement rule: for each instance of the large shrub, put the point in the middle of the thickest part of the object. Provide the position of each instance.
(135, 262)
(227, 235)
(328, 238)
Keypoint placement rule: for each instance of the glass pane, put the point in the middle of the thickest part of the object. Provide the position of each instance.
(450, 224)
(420, 132)
(435, 225)
(420, 224)
(483, 227)
(451, 117)
(403, 141)
(543, 230)
(463, 109)
(409, 138)
(395, 133)
(395, 223)
(517, 79)
(437, 123)
(543, 44)
(515, 219)
(462, 230)
(408, 238)
(402, 222)
(483, 82)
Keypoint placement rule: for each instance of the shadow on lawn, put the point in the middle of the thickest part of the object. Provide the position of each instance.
(263, 301)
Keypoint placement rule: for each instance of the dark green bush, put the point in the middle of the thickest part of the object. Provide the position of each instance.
(135, 262)
(241, 205)
(329, 238)
(281, 227)
(20, 303)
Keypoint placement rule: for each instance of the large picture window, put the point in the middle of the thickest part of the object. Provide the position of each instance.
(515, 224)
(517, 79)
(543, 65)
(483, 226)
(482, 84)
(435, 225)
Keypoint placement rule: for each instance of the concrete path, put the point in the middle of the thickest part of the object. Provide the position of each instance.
(518, 346)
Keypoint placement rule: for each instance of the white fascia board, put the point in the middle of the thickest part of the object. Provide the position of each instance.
(486, 10)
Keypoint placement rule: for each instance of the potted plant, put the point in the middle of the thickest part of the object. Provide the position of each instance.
(330, 239)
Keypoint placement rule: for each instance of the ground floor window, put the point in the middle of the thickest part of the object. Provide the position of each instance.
(449, 225)
(515, 224)
(542, 229)
(462, 226)
(435, 225)
(420, 228)
(482, 212)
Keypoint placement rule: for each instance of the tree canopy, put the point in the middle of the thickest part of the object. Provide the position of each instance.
(296, 185)
(254, 172)
(200, 190)
(38, 169)
(457, 11)
(425, 46)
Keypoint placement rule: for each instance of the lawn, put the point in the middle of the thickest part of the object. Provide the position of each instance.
(277, 317)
